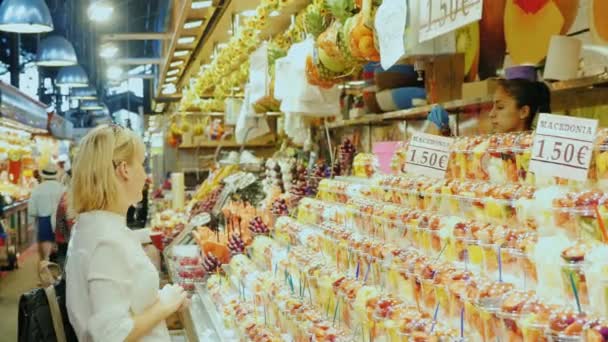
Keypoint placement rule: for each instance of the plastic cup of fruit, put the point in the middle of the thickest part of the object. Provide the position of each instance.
(157, 239)
(486, 321)
(405, 285)
(576, 271)
(596, 331)
(386, 321)
(510, 315)
(473, 254)
(490, 258)
(512, 270)
(565, 220)
(566, 326)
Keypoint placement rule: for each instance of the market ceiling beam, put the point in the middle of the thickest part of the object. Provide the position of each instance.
(137, 61)
(188, 27)
(135, 36)
(196, 56)
(168, 98)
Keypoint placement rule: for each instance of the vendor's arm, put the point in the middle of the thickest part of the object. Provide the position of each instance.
(440, 120)
(109, 287)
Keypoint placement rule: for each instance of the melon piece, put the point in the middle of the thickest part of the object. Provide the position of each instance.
(598, 16)
(330, 63)
(218, 250)
(492, 38)
(569, 9)
(467, 42)
(528, 31)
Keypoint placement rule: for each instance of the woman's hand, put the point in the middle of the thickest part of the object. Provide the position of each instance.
(172, 298)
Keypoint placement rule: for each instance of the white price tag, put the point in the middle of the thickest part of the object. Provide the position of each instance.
(428, 155)
(258, 73)
(563, 146)
(390, 21)
(441, 16)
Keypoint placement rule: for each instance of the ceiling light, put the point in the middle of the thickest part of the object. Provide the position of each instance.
(56, 51)
(171, 79)
(249, 13)
(72, 76)
(108, 51)
(114, 72)
(193, 24)
(172, 72)
(169, 89)
(186, 40)
(25, 16)
(181, 53)
(275, 13)
(176, 63)
(100, 10)
(87, 93)
(222, 46)
(201, 4)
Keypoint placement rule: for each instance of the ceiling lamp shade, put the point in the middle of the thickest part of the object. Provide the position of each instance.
(72, 76)
(87, 93)
(91, 105)
(56, 51)
(25, 16)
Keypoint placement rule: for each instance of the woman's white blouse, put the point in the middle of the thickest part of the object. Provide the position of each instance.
(109, 279)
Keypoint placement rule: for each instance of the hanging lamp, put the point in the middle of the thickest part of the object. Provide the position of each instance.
(72, 76)
(25, 16)
(87, 93)
(56, 51)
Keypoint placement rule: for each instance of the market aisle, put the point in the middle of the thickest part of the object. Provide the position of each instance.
(12, 285)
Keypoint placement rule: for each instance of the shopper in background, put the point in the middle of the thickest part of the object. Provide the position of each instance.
(42, 207)
(63, 223)
(112, 287)
(516, 104)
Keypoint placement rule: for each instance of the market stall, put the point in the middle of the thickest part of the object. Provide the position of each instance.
(342, 219)
(25, 147)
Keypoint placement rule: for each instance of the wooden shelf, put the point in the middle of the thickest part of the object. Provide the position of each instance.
(228, 144)
(411, 114)
(221, 115)
(464, 105)
(580, 83)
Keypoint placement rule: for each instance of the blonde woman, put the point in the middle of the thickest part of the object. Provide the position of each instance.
(112, 287)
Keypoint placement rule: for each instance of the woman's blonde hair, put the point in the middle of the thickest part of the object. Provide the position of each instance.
(94, 185)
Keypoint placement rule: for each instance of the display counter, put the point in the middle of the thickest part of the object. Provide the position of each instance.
(19, 225)
(201, 322)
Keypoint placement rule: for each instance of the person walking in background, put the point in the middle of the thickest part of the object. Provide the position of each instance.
(42, 207)
(63, 223)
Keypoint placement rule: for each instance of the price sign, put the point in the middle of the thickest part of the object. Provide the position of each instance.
(391, 19)
(428, 155)
(441, 16)
(563, 146)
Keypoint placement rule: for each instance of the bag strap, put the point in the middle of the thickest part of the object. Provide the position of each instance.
(55, 313)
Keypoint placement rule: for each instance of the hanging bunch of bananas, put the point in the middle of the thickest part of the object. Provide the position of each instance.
(190, 100)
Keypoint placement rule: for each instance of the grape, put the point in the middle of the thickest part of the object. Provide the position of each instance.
(279, 207)
(211, 263)
(257, 226)
(236, 245)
